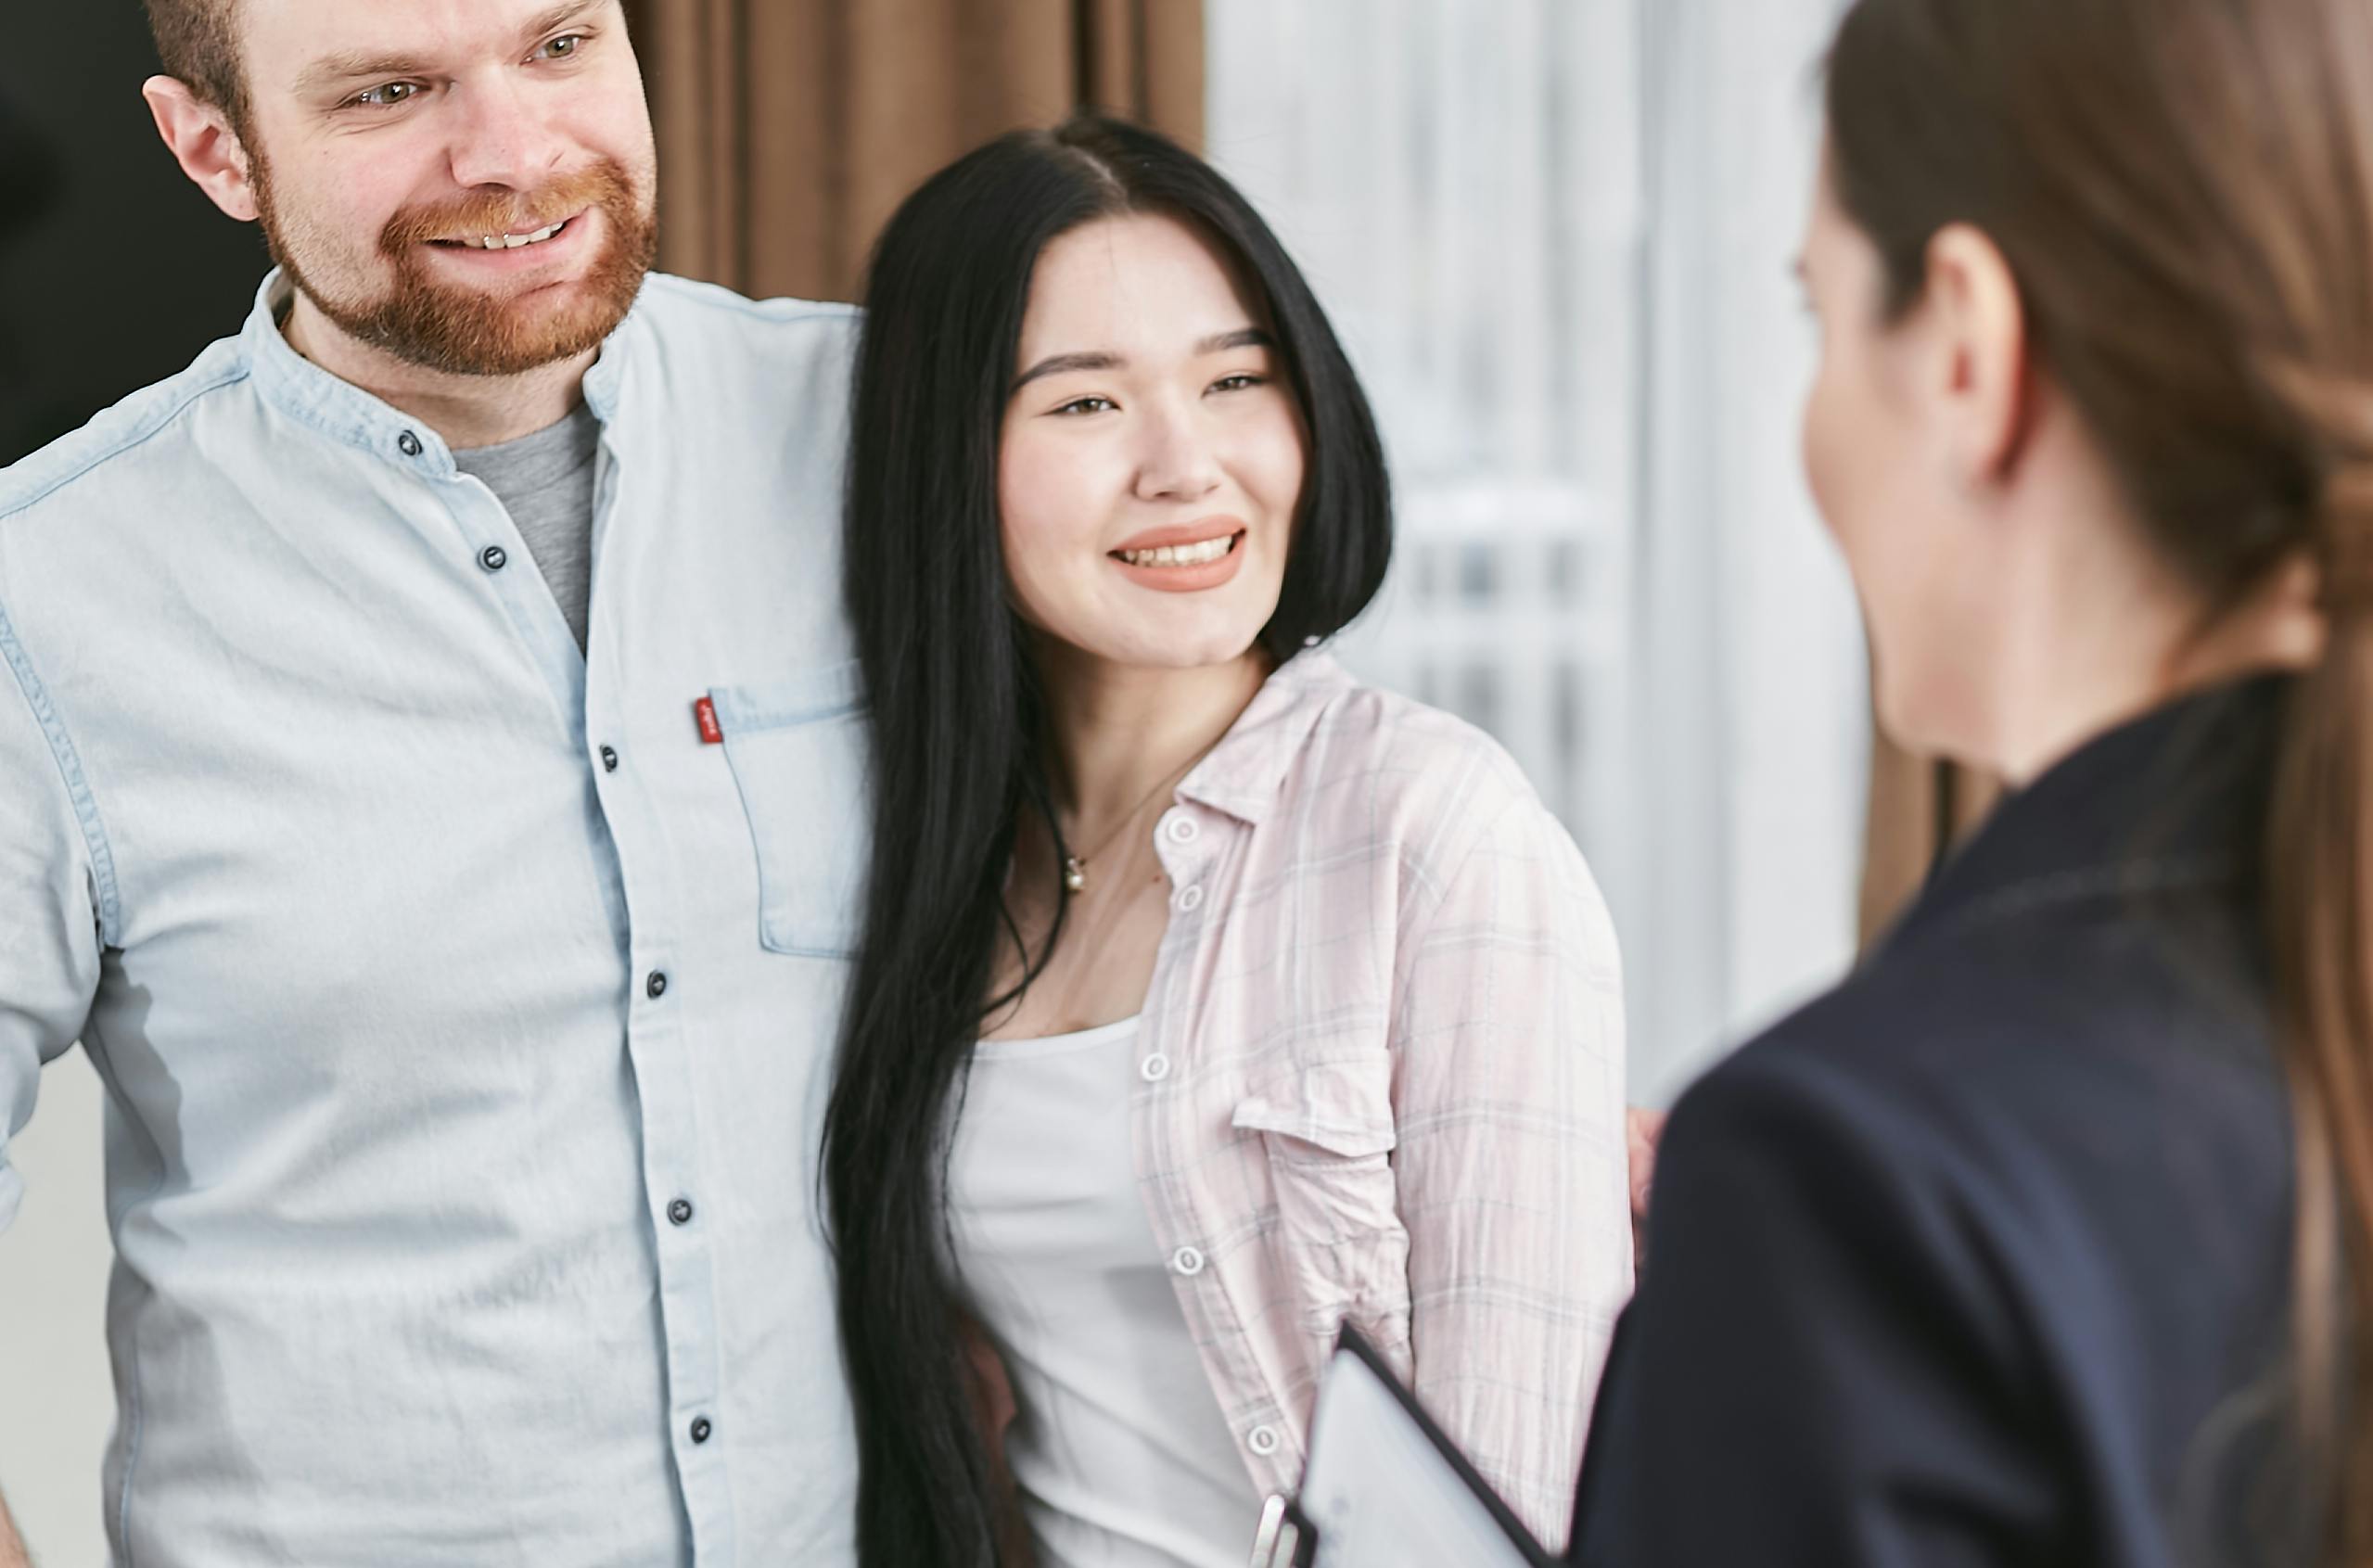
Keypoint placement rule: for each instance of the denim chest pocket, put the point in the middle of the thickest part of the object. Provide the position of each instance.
(798, 749)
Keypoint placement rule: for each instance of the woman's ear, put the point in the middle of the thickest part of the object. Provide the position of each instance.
(203, 142)
(1981, 370)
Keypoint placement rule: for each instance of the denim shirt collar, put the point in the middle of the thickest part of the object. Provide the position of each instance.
(343, 412)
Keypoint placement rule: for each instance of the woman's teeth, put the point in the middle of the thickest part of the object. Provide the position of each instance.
(1180, 555)
(511, 241)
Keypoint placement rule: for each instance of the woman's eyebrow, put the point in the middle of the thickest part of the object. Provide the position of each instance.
(1058, 364)
(1105, 359)
(1242, 337)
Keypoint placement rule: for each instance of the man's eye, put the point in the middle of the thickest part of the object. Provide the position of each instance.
(562, 47)
(388, 96)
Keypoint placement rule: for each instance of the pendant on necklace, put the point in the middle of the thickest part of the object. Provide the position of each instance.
(1075, 873)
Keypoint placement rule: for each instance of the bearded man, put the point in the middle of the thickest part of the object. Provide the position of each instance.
(429, 790)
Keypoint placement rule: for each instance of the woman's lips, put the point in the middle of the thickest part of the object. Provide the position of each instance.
(1171, 535)
(1193, 576)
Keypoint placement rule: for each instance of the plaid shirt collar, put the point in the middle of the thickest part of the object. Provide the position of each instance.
(1244, 773)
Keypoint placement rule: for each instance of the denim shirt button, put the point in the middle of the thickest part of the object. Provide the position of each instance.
(408, 445)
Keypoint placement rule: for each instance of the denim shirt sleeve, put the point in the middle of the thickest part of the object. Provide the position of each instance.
(49, 905)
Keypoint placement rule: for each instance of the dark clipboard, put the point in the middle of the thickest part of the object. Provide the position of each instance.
(1290, 1539)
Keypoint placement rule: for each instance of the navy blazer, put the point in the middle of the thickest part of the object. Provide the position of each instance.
(1983, 1257)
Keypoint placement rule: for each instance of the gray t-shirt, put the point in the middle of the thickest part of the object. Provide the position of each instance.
(545, 481)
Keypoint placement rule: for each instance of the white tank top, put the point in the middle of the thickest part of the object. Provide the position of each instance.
(1120, 1451)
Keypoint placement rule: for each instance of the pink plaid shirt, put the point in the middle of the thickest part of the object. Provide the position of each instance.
(1382, 1079)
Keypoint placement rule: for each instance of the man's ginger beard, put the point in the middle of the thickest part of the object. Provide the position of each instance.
(466, 331)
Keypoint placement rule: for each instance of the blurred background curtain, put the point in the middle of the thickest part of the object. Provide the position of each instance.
(789, 130)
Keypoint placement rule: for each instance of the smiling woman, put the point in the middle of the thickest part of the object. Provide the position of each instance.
(1150, 444)
(1200, 983)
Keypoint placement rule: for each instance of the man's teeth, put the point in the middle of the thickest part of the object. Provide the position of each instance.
(1180, 555)
(513, 241)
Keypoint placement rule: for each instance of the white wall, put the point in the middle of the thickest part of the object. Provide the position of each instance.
(56, 1404)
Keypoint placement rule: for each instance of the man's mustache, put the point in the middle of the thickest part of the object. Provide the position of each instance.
(604, 184)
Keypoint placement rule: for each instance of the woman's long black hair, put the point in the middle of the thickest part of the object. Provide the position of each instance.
(957, 750)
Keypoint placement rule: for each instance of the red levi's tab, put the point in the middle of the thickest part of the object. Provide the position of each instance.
(706, 712)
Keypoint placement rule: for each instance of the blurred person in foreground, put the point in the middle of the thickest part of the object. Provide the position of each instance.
(1208, 998)
(463, 993)
(2048, 1238)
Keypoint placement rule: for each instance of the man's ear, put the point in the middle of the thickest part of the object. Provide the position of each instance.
(1986, 368)
(203, 143)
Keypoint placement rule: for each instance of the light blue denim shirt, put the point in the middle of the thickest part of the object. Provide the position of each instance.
(465, 1012)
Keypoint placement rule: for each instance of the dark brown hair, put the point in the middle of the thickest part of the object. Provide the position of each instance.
(197, 43)
(2183, 189)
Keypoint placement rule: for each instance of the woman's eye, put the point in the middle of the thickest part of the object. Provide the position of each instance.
(1086, 405)
(388, 95)
(1238, 383)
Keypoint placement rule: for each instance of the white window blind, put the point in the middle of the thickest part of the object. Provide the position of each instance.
(1555, 236)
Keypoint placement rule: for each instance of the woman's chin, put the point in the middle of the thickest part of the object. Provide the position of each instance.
(1938, 720)
(1135, 637)
(1157, 655)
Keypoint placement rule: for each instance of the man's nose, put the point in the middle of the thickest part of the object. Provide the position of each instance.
(503, 139)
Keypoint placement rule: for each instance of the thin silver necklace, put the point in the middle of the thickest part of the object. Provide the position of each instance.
(1075, 867)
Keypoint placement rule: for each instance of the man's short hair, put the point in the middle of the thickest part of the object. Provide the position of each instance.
(198, 42)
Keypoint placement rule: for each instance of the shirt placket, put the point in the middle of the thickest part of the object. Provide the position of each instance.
(659, 1041)
(1167, 1113)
